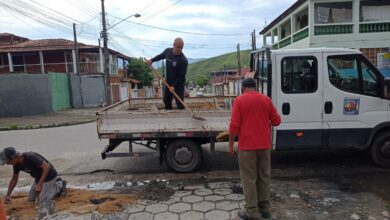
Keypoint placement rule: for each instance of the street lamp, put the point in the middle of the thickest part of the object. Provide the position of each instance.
(105, 49)
(134, 15)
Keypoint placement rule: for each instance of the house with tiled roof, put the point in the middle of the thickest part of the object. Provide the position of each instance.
(228, 82)
(359, 24)
(22, 55)
(7, 38)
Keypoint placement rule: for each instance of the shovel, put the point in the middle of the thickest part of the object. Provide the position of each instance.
(177, 97)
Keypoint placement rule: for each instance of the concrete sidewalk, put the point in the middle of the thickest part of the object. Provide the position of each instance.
(55, 119)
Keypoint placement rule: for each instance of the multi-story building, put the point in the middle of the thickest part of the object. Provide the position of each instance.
(359, 24)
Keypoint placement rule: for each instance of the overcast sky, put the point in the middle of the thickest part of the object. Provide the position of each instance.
(211, 27)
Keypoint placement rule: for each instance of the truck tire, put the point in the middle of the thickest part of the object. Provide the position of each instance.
(183, 156)
(380, 150)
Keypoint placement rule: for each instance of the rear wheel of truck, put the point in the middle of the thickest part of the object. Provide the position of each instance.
(380, 150)
(183, 156)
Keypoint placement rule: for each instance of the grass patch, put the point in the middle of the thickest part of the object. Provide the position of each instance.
(387, 204)
(13, 127)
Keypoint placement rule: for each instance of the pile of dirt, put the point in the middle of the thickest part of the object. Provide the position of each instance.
(77, 201)
(156, 190)
(201, 106)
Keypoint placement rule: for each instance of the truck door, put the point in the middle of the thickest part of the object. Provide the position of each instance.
(352, 103)
(299, 100)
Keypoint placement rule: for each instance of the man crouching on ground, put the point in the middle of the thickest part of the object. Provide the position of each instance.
(46, 185)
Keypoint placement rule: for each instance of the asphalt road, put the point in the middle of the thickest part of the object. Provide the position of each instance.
(75, 151)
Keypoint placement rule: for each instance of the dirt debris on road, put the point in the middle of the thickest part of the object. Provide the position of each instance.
(77, 201)
(156, 190)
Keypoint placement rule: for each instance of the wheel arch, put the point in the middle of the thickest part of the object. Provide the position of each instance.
(380, 128)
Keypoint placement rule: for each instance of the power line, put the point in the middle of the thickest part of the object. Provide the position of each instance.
(150, 4)
(185, 32)
(187, 45)
(148, 17)
(82, 8)
(41, 20)
(32, 27)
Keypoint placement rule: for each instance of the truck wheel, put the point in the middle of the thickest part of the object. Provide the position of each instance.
(183, 156)
(380, 150)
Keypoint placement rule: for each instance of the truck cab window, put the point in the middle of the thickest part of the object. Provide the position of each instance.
(346, 74)
(299, 75)
(370, 81)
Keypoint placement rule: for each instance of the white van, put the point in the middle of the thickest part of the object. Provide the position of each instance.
(327, 98)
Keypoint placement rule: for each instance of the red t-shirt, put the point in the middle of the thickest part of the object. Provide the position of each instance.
(252, 115)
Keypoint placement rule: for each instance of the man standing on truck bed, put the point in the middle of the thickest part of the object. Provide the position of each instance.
(46, 185)
(252, 116)
(176, 70)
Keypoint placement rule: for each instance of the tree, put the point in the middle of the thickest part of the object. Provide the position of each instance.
(139, 70)
(202, 81)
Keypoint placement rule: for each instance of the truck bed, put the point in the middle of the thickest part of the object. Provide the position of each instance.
(143, 118)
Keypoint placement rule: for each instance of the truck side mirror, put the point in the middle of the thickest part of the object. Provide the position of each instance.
(386, 89)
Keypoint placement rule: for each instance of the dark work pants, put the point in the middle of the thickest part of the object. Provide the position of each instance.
(168, 97)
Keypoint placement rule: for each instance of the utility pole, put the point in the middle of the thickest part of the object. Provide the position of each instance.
(254, 40)
(238, 59)
(76, 49)
(106, 56)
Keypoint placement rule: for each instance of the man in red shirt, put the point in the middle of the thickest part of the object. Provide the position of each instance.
(252, 116)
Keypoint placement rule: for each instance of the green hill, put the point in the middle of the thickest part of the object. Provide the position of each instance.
(206, 66)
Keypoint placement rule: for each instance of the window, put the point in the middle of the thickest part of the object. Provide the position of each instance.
(351, 74)
(285, 29)
(335, 12)
(121, 63)
(299, 75)
(301, 20)
(370, 81)
(374, 10)
(113, 69)
(276, 37)
(18, 63)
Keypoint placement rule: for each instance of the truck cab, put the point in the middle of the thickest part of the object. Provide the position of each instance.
(327, 98)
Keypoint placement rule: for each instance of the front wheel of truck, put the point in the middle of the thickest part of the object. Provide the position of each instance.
(183, 156)
(380, 150)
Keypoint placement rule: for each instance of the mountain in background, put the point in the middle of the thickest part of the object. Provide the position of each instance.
(158, 64)
(192, 60)
(206, 66)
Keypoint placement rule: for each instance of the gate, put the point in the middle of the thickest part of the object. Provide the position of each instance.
(59, 86)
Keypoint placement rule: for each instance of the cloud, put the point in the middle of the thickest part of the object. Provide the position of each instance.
(201, 16)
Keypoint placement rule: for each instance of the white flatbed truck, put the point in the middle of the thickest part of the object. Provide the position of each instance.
(327, 98)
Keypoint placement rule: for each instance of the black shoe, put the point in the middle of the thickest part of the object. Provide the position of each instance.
(242, 215)
(265, 214)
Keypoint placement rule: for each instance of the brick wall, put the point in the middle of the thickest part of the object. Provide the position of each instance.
(371, 53)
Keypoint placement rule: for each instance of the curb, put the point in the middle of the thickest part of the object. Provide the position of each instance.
(28, 127)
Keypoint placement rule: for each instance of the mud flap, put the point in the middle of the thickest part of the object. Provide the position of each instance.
(113, 143)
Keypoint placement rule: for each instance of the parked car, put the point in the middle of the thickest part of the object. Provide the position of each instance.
(199, 93)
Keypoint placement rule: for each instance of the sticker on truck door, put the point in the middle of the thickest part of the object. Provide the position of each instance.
(351, 106)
